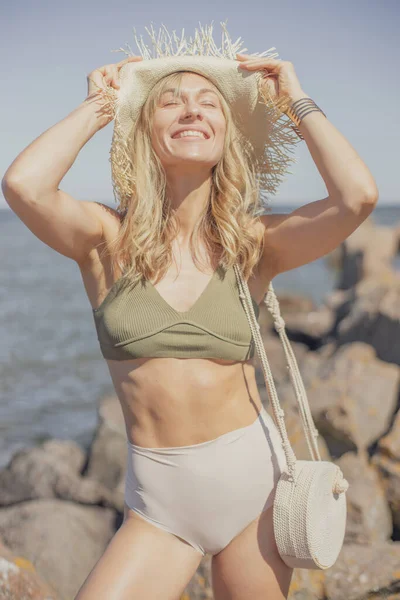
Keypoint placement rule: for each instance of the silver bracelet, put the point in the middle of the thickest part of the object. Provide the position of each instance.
(298, 110)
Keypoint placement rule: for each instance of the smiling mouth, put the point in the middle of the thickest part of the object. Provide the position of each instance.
(191, 138)
(203, 137)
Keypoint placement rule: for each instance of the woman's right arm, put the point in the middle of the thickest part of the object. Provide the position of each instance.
(30, 186)
(31, 183)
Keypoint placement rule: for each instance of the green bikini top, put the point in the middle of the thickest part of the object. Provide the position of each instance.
(134, 321)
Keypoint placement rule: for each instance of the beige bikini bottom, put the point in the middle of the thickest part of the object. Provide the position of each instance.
(207, 493)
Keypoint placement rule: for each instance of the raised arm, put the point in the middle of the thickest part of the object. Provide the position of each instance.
(30, 187)
(31, 183)
(317, 228)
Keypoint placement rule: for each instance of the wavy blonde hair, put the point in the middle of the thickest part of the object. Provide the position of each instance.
(227, 227)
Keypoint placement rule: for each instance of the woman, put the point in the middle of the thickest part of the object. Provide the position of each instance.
(204, 455)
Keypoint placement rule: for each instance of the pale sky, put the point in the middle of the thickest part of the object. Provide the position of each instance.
(345, 54)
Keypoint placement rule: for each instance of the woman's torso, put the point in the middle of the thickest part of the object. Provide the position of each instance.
(176, 401)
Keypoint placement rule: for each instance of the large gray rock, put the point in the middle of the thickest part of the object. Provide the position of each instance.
(61, 539)
(374, 317)
(389, 444)
(305, 322)
(307, 584)
(199, 587)
(367, 252)
(311, 328)
(51, 470)
(108, 451)
(352, 395)
(19, 579)
(295, 430)
(277, 362)
(387, 461)
(390, 473)
(369, 518)
(361, 572)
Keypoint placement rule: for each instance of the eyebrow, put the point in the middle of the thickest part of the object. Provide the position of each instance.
(201, 91)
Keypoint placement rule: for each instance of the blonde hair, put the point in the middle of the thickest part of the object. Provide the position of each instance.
(227, 227)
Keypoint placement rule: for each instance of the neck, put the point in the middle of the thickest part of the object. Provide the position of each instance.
(189, 195)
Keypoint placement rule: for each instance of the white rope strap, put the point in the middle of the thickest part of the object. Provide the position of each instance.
(310, 430)
(307, 421)
(340, 484)
(278, 412)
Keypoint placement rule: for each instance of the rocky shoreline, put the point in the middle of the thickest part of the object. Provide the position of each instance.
(60, 504)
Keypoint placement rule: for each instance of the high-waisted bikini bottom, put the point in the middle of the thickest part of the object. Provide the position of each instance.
(207, 493)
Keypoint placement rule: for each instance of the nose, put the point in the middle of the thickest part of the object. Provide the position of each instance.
(192, 110)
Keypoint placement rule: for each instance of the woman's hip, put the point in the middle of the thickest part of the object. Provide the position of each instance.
(226, 467)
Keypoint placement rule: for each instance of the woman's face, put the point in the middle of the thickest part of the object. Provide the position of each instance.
(197, 108)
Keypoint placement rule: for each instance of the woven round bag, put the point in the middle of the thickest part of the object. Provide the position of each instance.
(309, 510)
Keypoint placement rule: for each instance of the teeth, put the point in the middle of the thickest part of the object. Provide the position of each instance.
(194, 133)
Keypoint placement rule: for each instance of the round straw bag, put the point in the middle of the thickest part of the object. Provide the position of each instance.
(309, 511)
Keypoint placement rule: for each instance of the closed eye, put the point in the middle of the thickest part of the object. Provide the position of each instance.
(207, 103)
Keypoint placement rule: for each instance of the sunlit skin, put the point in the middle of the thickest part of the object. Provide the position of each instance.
(188, 162)
(223, 393)
(192, 154)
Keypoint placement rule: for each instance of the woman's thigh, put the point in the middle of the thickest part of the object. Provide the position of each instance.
(141, 561)
(250, 566)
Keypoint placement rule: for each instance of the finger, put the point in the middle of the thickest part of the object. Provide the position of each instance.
(130, 59)
(110, 77)
(105, 69)
(264, 61)
(107, 79)
(260, 64)
(114, 77)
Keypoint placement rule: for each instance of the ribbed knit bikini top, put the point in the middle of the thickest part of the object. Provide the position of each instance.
(134, 321)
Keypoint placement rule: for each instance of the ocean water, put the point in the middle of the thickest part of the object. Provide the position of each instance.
(51, 369)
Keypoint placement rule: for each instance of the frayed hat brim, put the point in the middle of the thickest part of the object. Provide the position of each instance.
(259, 117)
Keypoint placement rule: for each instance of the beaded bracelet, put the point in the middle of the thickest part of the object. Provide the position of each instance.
(298, 110)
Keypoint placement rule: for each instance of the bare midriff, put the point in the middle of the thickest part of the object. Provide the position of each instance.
(179, 402)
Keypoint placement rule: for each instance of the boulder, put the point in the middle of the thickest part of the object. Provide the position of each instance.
(50, 470)
(307, 584)
(295, 430)
(108, 450)
(390, 473)
(367, 252)
(389, 444)
(199, 587)
(365, 571)
(374, 318)
(276, 360)
(352, 395)
(311, 328)
(61, 539)
(387, 460)
(305, 322)
(19, 579)
(369, 518)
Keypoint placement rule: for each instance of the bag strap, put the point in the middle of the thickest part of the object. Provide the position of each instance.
(310, 430)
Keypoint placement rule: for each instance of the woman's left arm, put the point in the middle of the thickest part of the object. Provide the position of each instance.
(317, 228)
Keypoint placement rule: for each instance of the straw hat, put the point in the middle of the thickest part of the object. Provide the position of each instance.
(268, 134)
